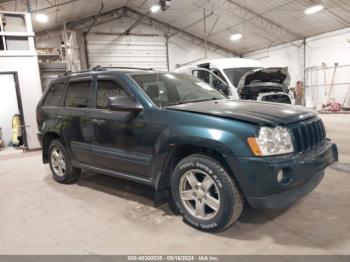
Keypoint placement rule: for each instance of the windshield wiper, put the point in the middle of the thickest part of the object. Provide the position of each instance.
(194, 101)
(202, 100)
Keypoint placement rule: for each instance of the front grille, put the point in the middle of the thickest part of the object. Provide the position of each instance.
(308, 135)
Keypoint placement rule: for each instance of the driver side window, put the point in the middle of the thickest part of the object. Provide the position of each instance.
(105, 89)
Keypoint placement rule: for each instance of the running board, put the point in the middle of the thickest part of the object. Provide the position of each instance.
(118, 174)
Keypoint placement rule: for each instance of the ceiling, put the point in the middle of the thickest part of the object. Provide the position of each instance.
(263, 23)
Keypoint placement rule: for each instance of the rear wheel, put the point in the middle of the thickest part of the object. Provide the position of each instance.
(205, 194)
(60, 165)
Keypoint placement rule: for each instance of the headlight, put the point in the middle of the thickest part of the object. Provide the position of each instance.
(271, 141)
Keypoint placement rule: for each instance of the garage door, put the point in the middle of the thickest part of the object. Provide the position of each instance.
(127, 51)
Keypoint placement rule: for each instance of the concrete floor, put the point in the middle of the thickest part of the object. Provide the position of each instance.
(103, 215)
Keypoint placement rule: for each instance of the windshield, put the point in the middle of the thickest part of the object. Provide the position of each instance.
(166, 89)
(235, 74)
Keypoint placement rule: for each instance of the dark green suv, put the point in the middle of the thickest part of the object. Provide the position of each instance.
(178, 135)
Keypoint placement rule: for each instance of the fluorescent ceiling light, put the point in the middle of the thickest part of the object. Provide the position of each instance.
(155, 8)
(170, 76)
(41, 18)
(313, 9)
(236, 37)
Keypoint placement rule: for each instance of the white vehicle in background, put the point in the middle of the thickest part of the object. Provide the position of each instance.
(244, 79)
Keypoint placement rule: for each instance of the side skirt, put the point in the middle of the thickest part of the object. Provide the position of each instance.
(139, 179)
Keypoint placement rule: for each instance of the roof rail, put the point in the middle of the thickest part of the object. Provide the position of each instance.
(95, 68)
(127, 67)
(98, 68)
(101, 68)
(66, 73)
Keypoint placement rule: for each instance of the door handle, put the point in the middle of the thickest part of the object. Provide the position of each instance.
(98, 121)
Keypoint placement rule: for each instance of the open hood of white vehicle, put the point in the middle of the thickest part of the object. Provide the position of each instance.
(263, 78)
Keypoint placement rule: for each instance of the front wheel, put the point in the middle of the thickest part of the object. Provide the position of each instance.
(205, 194)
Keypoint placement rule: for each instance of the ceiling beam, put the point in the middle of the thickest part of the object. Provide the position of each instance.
(30, 7)
(82, 24)
(169, 30)
(194, 23)
(53, 5)
(254, 19)
(128, 30)
(332, 12)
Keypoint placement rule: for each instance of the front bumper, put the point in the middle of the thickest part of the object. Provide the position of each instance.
(287, 197)
(257, 176)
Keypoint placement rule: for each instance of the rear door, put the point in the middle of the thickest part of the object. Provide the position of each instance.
(121, 140)
(77, 130)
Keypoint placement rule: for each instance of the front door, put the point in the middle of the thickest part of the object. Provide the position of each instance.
(120, 138)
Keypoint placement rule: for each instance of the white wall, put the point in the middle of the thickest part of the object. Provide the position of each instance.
(327, 48)
(182, 52)
(30, 88)
(25, 64)
(8, 106)
(286, 55)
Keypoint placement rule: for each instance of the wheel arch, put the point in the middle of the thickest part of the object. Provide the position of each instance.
(48, 137)
(179, 152)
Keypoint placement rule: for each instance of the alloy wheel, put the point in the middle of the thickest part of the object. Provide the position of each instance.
(58, 162)
(199, 194)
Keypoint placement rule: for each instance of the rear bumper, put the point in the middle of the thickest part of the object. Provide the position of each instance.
(40, 138)
(257, 176)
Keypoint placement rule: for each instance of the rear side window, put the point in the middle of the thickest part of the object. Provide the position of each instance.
(77, 94)
(54, 95)
(105, 89)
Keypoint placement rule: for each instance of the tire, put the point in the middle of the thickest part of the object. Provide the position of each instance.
(219, 206)
(69, 174)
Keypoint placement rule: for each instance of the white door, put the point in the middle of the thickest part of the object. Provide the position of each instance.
(8, 105)
(127, 51)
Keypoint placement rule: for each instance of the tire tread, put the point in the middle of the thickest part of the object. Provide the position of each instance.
(227, 179)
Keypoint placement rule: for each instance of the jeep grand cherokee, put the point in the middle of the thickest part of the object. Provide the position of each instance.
(177, 134)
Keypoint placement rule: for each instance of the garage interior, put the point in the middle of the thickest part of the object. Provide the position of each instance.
(42, 39)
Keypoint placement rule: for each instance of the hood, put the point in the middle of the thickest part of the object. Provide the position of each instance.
(274, 76)
(254, 112)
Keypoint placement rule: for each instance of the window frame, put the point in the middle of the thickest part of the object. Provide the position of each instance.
(111, 79)
(221, 72)
(204, 70)
(79, 79)
(60, 103)
(27, 34)
(154, 105)
(212, 76)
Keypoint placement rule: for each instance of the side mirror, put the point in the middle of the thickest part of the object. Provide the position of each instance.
(124, 103)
